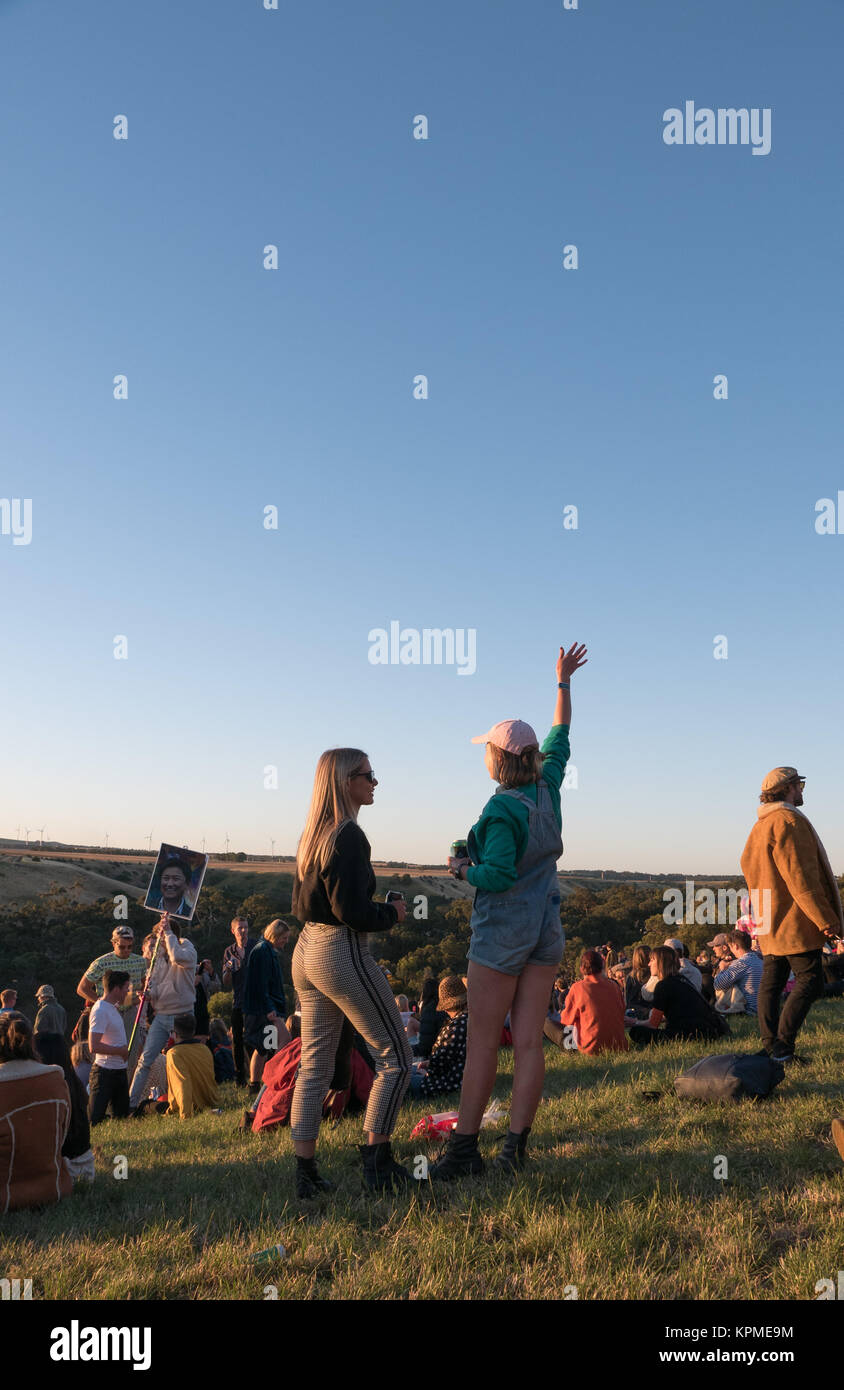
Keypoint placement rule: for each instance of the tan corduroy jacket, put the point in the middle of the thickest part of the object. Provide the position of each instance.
(784, 856)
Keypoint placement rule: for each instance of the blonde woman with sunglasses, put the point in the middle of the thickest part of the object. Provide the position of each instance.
(337, 977)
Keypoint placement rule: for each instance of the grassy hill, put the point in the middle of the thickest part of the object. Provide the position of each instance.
(620, 1202)
(26, 878)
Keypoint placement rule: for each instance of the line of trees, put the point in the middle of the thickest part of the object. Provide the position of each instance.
(51, 939)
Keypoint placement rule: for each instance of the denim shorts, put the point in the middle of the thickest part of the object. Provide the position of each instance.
(499, 947)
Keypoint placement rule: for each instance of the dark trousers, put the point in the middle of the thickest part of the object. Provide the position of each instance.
(781, 1028)
(107, 1086)
(241, 1053)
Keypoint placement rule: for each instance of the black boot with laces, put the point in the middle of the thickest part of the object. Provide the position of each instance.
(309, 1182)
(380, 1170)
(460, 1160)
(512, 1155)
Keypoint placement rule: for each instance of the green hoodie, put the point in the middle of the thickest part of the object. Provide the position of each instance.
(501, 834)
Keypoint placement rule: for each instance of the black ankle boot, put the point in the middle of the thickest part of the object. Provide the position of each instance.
(309, 1182)
(461, 1158)
(380, 1170)
(512, 1154)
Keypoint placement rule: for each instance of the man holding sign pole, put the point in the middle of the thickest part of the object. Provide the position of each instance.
(172, 991)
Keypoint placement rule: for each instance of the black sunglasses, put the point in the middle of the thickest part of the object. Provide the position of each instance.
(370, 776)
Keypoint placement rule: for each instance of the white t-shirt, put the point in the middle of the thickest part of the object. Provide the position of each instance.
(105, 1019)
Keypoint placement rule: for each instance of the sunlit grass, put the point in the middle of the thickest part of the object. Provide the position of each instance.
(620, 1200)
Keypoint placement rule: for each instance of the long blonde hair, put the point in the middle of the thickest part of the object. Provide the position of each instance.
(331, 807)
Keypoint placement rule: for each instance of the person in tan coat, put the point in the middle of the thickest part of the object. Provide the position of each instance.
(34, 1120)
(796, 899)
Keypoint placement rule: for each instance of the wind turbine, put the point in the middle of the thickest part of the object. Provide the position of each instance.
(272, 849)
(227, 842)
(106, 843)
(18, 833)
(41, 836)
(26, 835)
(203, 844)
(149, 841)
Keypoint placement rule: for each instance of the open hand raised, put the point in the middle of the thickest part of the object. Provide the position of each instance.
(570, 661)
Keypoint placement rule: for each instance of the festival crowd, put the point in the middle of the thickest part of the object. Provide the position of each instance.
(145, 1044)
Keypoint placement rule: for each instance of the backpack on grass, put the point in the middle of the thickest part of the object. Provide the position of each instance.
(730, 1077)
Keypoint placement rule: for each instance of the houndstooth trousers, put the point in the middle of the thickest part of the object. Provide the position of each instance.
(335, 975)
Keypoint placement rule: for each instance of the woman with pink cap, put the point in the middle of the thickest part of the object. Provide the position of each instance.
(517, 937)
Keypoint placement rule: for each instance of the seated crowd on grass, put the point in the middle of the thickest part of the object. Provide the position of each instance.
(655, 994)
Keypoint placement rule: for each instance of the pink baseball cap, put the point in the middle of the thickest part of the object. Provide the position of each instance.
(513, 735)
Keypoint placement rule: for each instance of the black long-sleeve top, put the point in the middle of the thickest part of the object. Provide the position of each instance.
(341, 894)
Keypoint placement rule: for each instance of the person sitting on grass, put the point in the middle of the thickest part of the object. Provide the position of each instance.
(707, 964)
(743, 973)
(77, 1153)
(592, 1019)
(34, 1119)
(80, 1056)
(635, 982)
(430, 1018)
(8, 1001)
(444, 1071)
(686, 1012)
(190, 1071)
(348, 1093)
(221, 1050)
(410, 1022)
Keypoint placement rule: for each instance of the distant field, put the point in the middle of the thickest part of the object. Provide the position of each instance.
(620, 1202)
(94, 874)
(30, 879)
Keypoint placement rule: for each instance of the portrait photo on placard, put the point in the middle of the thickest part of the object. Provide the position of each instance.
(176, 881)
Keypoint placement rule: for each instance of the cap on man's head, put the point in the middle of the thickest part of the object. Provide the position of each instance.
(779, 777)
(720, 940)
(45, 992)
(513, 735)
(676, 944)
(124, 931)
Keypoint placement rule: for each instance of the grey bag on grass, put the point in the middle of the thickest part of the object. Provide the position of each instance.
(730, 1077)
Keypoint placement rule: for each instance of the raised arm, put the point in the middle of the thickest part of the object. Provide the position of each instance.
(567, 663)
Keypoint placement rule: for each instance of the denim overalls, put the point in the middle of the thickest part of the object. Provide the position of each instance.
(522, 925)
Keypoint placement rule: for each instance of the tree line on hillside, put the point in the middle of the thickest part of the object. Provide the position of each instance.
(51, 939)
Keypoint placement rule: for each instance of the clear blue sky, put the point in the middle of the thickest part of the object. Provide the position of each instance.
(293, 388)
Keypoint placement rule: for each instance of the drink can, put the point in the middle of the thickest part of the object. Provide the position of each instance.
(460, 850)
(265, 1257)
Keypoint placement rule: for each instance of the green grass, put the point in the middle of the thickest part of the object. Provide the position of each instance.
(620, 1200)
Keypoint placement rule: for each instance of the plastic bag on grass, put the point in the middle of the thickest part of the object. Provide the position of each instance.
(440, 1126)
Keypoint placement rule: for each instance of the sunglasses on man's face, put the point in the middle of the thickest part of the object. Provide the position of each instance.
(370, 776)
